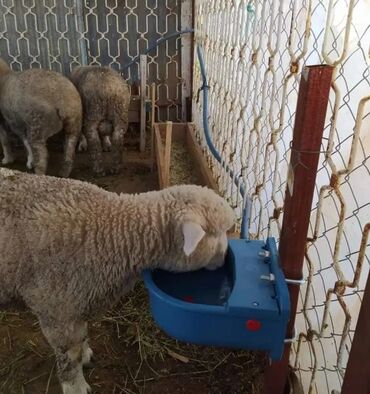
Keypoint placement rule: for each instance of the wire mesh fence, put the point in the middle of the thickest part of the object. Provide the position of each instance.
(254, 52)
(61, 34)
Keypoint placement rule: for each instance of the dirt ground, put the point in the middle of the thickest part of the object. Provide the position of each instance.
(132, 355)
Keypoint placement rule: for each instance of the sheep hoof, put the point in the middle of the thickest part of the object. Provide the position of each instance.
(107, 148)
(78, 387)
(7, 160)
(82, 146)
(87, 356)
(64, 173)
(100, 174)
(115, 170)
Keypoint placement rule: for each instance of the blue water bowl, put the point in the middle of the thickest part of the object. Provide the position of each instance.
(244, 304)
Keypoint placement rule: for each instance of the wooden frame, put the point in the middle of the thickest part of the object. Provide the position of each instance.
(164, 134)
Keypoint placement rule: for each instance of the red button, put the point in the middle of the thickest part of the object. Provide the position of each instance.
(188, 298)
(253, 325)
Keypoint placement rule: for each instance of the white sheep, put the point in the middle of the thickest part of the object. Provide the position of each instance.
(70, 250)
(36, 104)
(106, 99)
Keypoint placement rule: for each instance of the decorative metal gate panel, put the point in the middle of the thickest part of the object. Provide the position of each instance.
(61, 34)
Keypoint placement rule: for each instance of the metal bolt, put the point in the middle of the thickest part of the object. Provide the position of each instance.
(270, 277)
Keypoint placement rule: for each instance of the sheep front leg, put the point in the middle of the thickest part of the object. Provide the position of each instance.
(7, 150)
(94, 146)
(40, 157)
(69, 343)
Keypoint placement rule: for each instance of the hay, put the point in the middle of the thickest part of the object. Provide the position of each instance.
(182, 168)
(135, 326)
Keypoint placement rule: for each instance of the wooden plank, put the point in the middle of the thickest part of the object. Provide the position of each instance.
(143, 63)
(178, 131)
(152, 120)
(186, 56)
(313, 97)
(198, 156)
(183, 132)
(167, 155)
(159, 153)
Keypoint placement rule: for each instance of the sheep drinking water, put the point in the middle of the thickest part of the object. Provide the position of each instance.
(70, 250)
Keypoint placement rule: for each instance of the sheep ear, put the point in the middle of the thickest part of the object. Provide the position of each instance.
(193, 233)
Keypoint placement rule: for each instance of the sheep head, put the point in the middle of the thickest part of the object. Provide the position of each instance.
(200, 222)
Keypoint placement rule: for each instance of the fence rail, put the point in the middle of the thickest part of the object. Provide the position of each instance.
(254, 54)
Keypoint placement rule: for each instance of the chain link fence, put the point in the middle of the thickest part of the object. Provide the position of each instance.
(254, 53)
(62, 34)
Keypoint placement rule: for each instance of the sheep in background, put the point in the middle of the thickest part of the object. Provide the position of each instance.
(36, 104)
(4, 140)
(70, 250)
(106, 99)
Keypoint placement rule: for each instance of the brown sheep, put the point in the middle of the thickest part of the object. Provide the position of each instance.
(36, 104)
(106, 98)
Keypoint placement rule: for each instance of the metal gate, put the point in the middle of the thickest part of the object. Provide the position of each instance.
(61, 34)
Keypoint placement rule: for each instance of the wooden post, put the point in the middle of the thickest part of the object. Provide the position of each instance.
(158, 147)
(312, 103)
(167, 154)
(152, 120)
(143, 62)
(357, 377)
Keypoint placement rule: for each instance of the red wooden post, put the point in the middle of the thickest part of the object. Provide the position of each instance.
(357, 377)
(312, 103)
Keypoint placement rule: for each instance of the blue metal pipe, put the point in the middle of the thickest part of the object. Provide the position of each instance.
(244, 233)
(157, 43)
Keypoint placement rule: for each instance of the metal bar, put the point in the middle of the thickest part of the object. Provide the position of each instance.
(143, 62)
(158, 146)
(357, 376)
(186, 63)
(312, 103)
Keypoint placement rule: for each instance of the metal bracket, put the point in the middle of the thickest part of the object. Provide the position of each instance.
(271, 278)
(298, 282)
